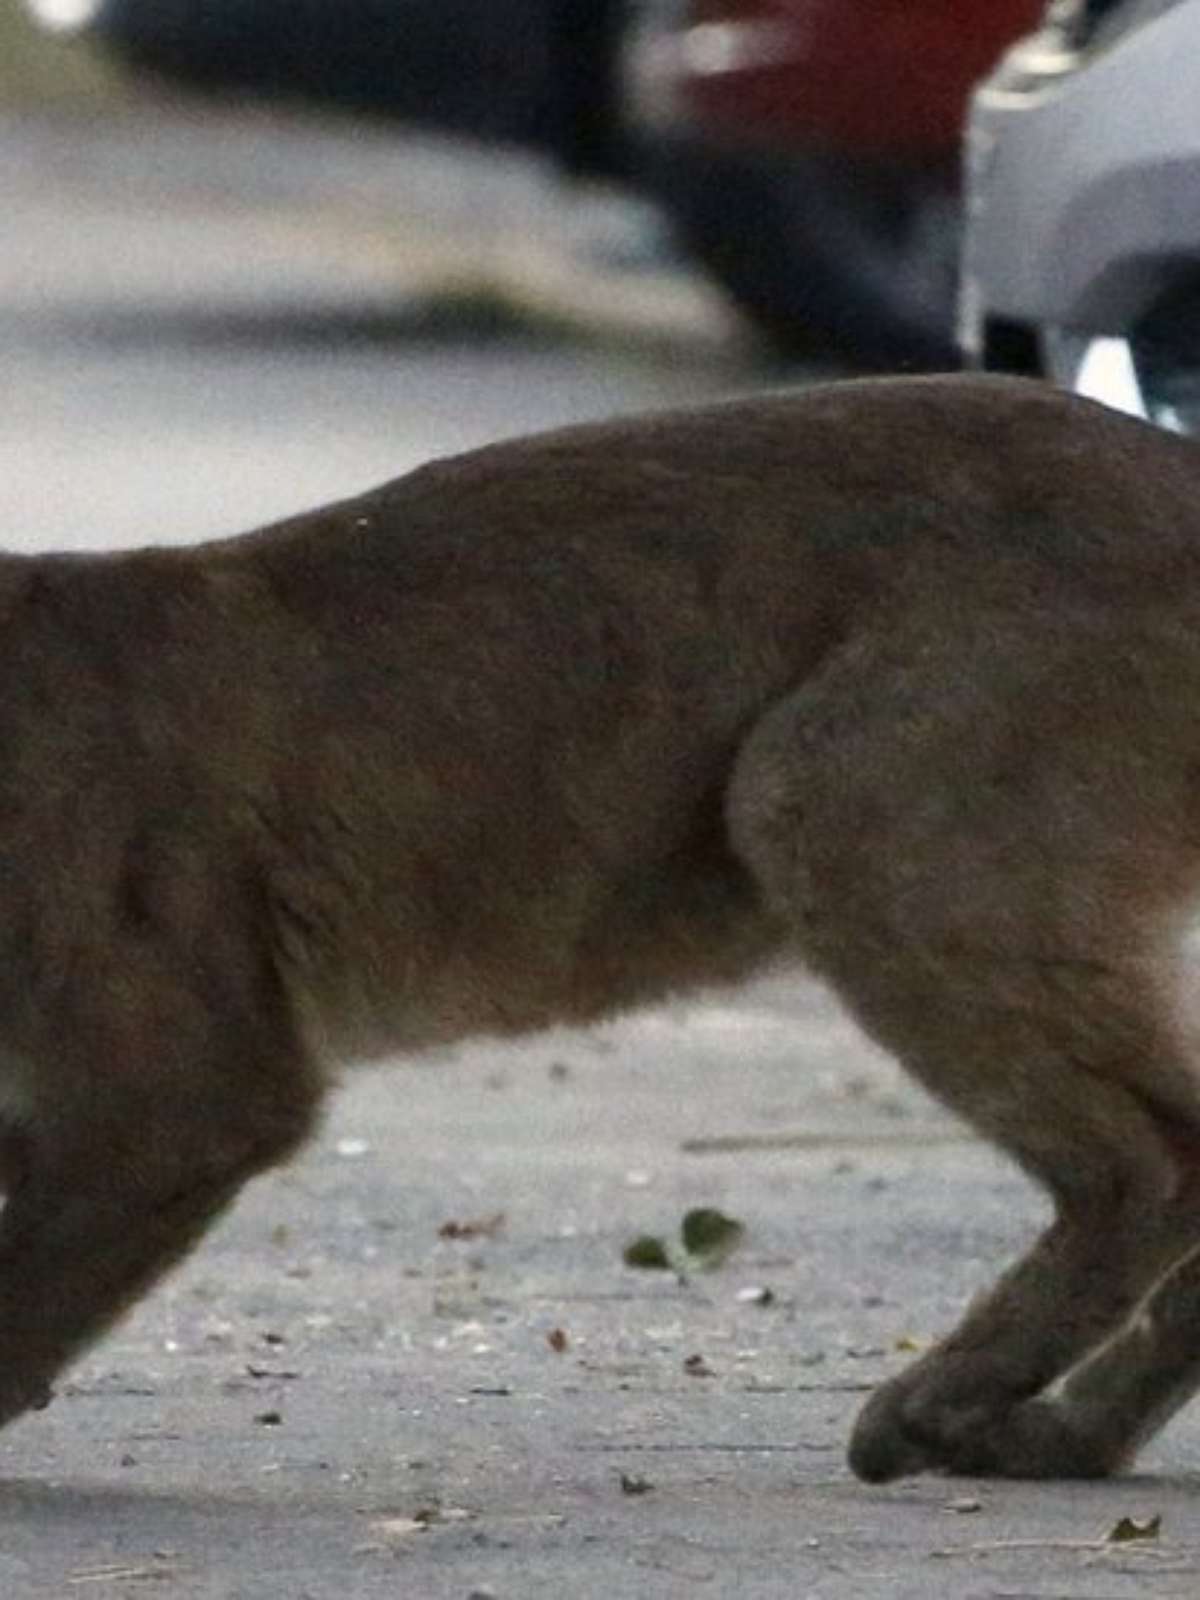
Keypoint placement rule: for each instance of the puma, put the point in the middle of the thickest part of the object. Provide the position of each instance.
(898, 679)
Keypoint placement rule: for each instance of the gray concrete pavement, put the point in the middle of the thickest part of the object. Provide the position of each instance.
(334, 1398)
(341, 1397)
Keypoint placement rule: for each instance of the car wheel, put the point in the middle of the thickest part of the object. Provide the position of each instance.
(823, 254)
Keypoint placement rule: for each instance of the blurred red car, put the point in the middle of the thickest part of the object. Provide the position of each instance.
(808, 151)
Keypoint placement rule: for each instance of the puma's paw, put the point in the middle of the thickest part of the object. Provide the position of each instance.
(907, 1428)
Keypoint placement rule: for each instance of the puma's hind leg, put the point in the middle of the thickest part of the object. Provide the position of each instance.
(1013, 950)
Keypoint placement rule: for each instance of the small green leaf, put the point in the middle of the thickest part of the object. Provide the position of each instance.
(648, 1254)
(1129, 1529)
(709, 1236)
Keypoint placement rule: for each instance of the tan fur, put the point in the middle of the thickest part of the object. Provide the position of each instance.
(899, 679)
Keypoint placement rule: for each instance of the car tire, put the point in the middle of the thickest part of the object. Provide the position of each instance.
(825, 255)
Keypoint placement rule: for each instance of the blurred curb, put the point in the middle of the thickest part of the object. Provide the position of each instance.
(448, 219)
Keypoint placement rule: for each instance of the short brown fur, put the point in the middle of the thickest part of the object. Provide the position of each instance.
(897, 679)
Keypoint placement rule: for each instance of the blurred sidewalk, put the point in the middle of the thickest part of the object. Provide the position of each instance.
(397, 211)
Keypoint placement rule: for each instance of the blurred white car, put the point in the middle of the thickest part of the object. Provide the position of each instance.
(1082, 247)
